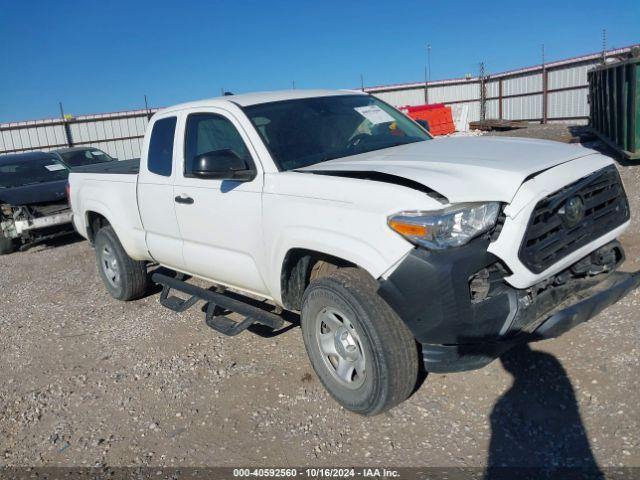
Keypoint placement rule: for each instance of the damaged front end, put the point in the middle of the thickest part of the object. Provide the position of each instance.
(459, 307)
(24, 225)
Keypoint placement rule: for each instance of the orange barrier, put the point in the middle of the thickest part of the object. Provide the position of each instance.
(438, 115)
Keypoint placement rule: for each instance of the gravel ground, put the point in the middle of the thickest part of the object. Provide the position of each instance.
(89, 381)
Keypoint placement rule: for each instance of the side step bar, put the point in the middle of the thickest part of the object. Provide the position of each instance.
(217, 302)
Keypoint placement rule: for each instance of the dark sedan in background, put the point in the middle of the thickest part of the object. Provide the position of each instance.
(33, 200)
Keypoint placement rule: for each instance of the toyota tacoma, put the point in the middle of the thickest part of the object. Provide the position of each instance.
(394, 248)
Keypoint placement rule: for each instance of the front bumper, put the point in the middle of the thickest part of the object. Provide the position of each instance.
(430, 292)
(42, 222)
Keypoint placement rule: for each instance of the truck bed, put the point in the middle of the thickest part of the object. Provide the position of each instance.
(126, 167)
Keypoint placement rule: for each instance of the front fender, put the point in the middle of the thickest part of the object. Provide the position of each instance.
(375, 259)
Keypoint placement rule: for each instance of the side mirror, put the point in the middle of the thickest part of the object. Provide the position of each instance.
(424, 124)
(222, 165)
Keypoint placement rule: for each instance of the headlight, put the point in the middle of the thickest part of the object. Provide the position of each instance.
(450, 227)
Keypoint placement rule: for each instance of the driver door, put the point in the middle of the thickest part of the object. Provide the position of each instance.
(219, 220)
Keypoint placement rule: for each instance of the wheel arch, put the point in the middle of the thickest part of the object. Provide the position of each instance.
(132, 239)
(302, 265)
(94, 222)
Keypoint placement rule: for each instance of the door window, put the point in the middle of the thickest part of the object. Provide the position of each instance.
(160, 157)
(208, 132)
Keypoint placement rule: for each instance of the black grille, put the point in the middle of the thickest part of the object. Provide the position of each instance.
(549, 237)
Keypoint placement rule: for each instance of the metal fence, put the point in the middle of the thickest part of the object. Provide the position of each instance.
(119, 134)
(553, 92)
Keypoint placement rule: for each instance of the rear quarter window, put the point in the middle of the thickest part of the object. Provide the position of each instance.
(160, 157)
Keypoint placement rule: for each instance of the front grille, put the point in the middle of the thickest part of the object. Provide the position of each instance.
(549, 237)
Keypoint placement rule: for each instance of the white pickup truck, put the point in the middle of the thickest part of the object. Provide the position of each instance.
(394, 248)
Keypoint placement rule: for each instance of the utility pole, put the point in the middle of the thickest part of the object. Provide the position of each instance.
(361, 82)
(427, 74)
(545, 88)
(67, 128)
(483, 93)
(293, 84)
(146, 107)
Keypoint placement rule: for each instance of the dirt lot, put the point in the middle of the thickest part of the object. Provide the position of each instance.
(87, 380)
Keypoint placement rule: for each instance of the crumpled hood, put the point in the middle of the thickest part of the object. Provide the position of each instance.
(33, 194)
(463, 169)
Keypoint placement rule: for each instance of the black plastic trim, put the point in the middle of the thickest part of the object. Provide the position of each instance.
(430, 291)
(554, 239)
(457, 358)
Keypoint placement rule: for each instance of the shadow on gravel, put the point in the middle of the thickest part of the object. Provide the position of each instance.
(536, 429)
(58, 241)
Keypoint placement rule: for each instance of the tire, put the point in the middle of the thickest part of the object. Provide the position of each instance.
(6, 245)
(379, 353)
(124, 278)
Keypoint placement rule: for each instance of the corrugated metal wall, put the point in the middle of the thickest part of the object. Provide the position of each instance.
(119, 134)
(514, 95)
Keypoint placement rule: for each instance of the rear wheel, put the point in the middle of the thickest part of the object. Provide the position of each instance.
(124, 277)
(6, 245)
(361, 351)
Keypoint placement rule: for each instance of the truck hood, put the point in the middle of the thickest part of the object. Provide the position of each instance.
(33, 194)
(465, 169)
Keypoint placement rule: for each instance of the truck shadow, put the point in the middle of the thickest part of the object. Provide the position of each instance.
(59, 240)
(536, 428)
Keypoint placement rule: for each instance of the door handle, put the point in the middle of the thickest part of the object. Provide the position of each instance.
(185, 200)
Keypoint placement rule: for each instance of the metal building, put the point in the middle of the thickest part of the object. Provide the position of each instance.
(119, 134)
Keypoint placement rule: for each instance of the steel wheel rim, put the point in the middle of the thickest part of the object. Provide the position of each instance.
(109, 264)
(340, 347)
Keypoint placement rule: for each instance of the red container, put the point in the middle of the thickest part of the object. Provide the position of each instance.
(438, 115)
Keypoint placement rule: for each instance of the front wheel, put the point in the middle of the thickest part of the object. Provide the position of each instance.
(124, 277)
(360, 349)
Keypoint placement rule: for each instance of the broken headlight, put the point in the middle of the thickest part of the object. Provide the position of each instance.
(450, 227)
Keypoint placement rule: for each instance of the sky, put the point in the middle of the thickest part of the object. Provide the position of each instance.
(101, 56)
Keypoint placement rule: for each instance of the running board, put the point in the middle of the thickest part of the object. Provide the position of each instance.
(216, 302)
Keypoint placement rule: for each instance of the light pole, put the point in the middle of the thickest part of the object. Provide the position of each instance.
(427, 74)
(429, 60)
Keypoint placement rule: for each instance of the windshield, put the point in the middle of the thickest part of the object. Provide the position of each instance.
(77, 158)
(29, 172)
(302, 132)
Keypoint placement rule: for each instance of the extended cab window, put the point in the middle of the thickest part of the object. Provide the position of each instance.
(208, 132)
(160, 158)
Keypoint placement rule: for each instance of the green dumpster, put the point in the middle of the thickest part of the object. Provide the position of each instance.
(614, 99)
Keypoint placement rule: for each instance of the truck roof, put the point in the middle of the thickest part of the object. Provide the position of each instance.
(247, 99)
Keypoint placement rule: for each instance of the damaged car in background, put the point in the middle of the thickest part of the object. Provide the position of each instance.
(33, 200)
